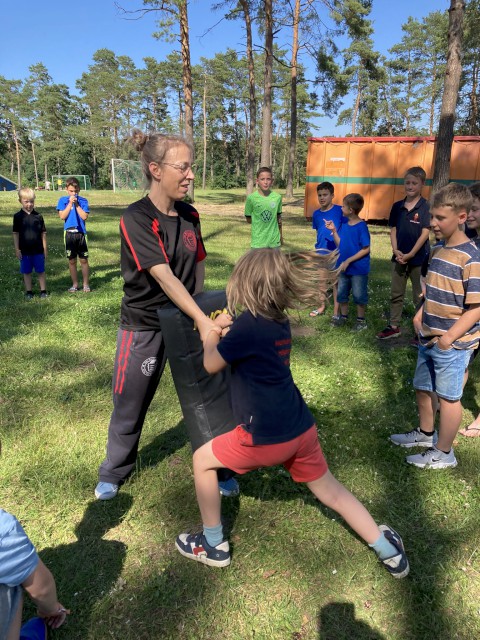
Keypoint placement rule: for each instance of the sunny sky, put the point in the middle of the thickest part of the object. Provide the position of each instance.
(64, 36)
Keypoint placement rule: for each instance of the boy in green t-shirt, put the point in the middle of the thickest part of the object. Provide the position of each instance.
(263, 210)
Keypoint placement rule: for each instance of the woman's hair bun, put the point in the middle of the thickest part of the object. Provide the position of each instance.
(138, 139)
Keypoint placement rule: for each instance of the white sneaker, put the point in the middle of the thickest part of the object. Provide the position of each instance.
(106, 490)
(414, 438)
(433, 458)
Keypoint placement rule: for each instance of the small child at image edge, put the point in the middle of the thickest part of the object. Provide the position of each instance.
(30, 242)
(275, 425)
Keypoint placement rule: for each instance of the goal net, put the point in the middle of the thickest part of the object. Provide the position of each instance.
(59, 182)
(126, 175)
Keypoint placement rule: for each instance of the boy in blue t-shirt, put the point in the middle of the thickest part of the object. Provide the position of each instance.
(73, 209)
(353, 242)
(328, 212)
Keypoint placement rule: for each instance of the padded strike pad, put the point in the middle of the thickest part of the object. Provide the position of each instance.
(204, 398)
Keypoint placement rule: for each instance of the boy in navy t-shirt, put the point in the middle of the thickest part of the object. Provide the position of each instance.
(73, 209)
(353, 242)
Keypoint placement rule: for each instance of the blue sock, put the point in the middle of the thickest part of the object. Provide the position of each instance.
(213, 535)
(383, 548)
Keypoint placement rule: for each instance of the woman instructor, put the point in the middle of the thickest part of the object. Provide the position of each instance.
(162, 261)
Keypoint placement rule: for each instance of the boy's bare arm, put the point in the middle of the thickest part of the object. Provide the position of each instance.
(279, 222)
(212, 360)
(44, 243)
(16, 244)
(460, 327)
(83, 214)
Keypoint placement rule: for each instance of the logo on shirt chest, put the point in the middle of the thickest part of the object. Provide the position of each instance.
(266, 216)
(190, 240)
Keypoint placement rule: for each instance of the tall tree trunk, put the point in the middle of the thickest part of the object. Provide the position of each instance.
(356, 106)
(432, 98)
(34, 163)
(266, 158)
(441, 172)
(187, 81)
(293, 103)
(204, 109)
(251, 99)
(473, 118)
(17, 152)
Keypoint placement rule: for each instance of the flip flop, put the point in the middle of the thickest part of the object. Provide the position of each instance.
(316, 312)
(475, 432)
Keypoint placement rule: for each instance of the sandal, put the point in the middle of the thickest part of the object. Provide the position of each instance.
(73, 290)
(316, 312)
(86, 289)
(474, 432)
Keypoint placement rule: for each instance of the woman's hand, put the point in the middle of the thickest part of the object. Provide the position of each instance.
(55, 620)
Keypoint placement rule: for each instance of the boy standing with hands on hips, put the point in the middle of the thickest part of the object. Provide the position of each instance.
(73, 209)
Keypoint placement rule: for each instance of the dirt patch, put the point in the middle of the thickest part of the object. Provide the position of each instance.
(302, 331)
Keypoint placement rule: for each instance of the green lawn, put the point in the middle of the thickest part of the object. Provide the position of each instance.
(297, 572)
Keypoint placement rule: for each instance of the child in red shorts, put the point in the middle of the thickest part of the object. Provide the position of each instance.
(275, 424)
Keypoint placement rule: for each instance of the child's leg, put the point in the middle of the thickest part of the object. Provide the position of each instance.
(205, 465)
(27, 279)
(397, 293)
(72, 265)
(334, 495)
(42, 281)
(450, 419)
(427, 408)
(361, 308)
(416, 280)
(336, 308)
(85, 271)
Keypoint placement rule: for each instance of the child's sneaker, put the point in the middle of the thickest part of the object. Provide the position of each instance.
(229, 488)
(389, 332)
(359, 325)
(433, 458)
(29, 295)
(196, 547)
(397, 565)
(414, 438)
(339, 321)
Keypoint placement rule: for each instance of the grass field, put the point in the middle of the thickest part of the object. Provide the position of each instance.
(297, 572)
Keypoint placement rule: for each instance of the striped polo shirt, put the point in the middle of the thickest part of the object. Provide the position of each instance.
(453, 284)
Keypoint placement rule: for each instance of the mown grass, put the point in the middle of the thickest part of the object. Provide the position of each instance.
(297, 573)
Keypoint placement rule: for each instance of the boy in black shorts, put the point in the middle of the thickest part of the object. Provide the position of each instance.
(73, 209)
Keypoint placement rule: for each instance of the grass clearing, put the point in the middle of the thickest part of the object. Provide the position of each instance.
(297, 572)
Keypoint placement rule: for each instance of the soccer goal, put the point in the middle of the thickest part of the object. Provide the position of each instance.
(59, 182)
(126, 175)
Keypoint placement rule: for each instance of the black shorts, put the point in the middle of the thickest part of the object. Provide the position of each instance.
(76, 244)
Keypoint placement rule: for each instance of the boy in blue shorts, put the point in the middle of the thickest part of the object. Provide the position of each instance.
(328, 212)
(73, 209)
(30, 242)
(353, 242)
(448, 327)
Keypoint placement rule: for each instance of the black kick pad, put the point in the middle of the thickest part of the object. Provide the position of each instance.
(204, 398)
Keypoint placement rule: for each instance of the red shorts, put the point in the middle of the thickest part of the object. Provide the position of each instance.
(302, 457)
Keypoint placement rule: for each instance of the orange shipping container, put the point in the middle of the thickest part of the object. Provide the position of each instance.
(375, 167)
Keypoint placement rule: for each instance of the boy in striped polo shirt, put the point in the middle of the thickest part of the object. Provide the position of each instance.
(448, 327)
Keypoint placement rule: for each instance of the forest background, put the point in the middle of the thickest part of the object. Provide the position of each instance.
(323, 66)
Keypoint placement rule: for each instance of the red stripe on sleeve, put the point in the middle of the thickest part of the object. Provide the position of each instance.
(155, 229)
(125, 234)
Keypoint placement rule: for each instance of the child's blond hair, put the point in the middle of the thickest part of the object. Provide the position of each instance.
(269, 282)
(454, 195)
(26, 192)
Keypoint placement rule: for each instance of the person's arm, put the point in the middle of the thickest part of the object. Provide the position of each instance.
(199, 277)
(330, 225)
(178, 294)
(248, 210)
(44, 242)
(417, 246)
(360, 254)
(460, 327)
(417, 319)
(16, 244)
(393, 241)
(41, 588)
(279, 222)
(64, 213)
(212, 360)
(81, 212)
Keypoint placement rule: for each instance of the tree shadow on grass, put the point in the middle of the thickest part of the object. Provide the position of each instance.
(89, 569)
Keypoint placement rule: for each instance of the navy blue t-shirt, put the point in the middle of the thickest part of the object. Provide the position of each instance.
(265, 400)
(409, 225)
